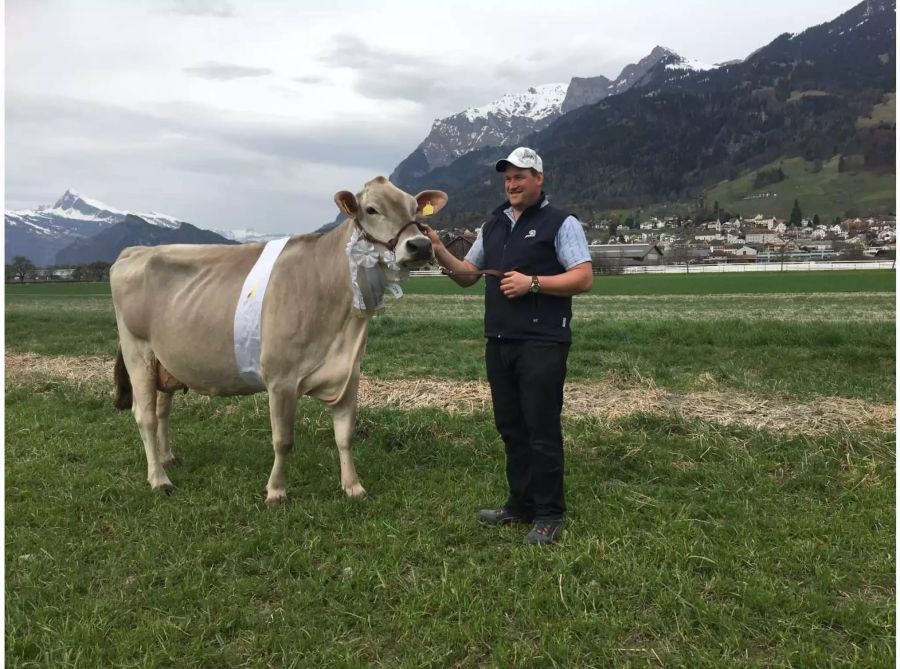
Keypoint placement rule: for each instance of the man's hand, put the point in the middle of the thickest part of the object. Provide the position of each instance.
(448, 261)
(436, 242)
(514, 284)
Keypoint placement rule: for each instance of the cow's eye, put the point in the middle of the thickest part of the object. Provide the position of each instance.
(371, 210)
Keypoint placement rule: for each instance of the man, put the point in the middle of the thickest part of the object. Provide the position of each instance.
(542, 254)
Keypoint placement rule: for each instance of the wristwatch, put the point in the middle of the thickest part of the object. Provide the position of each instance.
(535, 285)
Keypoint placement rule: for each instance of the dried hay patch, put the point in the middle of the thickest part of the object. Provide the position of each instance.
(614, 398)
(74, 369)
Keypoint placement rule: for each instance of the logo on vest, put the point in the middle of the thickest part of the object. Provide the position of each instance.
(531, 233)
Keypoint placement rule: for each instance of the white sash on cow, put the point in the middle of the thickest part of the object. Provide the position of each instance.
(247, 318)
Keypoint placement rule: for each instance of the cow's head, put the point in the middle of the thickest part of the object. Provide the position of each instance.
(387, 216)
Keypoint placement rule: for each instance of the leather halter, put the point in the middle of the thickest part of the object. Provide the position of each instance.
(391, 243)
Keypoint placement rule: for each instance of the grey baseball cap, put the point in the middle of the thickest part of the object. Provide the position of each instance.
(522, 157)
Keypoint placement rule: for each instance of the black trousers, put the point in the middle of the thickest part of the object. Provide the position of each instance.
(527, 380)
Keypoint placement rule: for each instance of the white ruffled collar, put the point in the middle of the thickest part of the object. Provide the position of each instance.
(372, 272)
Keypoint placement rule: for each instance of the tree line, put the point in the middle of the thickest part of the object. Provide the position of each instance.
(20, 268)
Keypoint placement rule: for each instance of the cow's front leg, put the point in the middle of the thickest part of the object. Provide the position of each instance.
(344, 417)
(282, 408)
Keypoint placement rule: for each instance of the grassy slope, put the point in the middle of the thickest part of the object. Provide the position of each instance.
(884, 112)
(828, 193)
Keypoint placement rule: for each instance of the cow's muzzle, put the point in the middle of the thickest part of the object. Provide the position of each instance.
(418, 248)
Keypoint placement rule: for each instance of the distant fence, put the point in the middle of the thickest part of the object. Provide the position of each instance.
(760, 267)
(732, 267)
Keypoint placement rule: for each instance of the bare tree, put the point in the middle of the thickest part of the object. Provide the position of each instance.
(22, 268)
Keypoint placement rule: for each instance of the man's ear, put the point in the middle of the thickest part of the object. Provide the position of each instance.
(436, 198)
(346, 202)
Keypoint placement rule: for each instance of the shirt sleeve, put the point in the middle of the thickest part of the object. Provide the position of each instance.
(476, 253)
(571, 244)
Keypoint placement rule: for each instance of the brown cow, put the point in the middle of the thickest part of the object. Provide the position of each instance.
(176, 308)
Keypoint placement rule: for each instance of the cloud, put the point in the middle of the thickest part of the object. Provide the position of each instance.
(217, 8)
(212, 169)
(442, 85)
(310, 79)
(225, 71)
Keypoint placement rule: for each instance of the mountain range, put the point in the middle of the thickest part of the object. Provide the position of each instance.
(77, 230)
(678, 129)
(514, 116)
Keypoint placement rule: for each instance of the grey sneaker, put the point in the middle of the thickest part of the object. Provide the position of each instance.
(500, 517)
(544, 532)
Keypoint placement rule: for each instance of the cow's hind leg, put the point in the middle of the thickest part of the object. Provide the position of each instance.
(282, 408)
(343, 415)
(163, 409)
(141, 366)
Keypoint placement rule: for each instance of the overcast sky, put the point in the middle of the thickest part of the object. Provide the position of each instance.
(251, 114)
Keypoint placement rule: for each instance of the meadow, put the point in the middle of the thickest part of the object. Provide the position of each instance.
(822, 190)
(730, 459)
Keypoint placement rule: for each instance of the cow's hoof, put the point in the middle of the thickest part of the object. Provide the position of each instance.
(355, 491)
(276, 497)
(172, 461)
(167, 488)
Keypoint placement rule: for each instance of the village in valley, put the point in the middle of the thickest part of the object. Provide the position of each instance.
(676, 241)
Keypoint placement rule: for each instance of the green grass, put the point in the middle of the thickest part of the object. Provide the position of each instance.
(701, 284)
(826, 192)
(801, 360)
(798, 344)
(688, 545)
(59, 289)
(737, 283)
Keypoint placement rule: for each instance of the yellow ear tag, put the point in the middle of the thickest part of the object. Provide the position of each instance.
(428, 209)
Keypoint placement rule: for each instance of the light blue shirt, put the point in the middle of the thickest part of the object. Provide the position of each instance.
(570, 243)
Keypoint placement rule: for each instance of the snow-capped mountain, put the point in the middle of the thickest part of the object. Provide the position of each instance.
(536, 103)
(247, 236)
(508, 120)
(502, 121)
(41, 234)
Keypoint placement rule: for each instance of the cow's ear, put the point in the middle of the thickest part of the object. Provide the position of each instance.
(346, 202)
(436, 198)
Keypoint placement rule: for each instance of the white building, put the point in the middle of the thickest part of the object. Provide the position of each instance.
(760, 236)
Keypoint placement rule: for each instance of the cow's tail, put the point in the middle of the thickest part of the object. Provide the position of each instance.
(123, 398)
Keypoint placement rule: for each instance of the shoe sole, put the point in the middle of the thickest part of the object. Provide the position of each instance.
(510, 521)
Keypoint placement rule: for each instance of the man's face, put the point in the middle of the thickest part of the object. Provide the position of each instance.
(522, 187)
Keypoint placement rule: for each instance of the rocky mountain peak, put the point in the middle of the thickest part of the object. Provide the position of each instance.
(589, 91)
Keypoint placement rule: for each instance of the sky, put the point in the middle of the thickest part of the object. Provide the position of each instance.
(237, 114)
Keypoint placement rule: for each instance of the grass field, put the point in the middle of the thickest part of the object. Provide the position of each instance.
(689, 284)
(698, 536)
